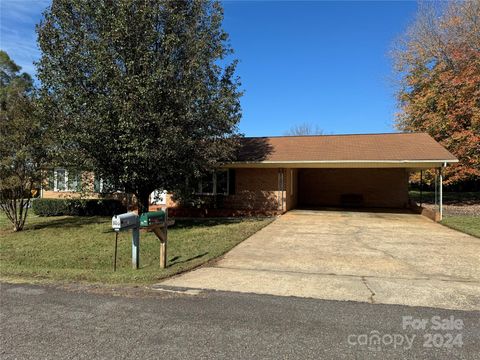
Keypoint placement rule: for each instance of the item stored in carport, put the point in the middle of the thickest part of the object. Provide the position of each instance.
(352, 200)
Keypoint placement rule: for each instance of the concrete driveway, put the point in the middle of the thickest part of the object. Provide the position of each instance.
(392, 258)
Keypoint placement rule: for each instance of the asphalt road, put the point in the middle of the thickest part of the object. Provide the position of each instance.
(39, 322)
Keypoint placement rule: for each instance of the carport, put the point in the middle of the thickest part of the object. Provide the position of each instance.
(353, 187)
(363, 187)
(353, 171)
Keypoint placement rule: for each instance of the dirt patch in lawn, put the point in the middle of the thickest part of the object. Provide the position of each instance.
(457, 209)
(454, 203)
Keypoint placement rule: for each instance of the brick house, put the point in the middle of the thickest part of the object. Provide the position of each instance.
(272, 175)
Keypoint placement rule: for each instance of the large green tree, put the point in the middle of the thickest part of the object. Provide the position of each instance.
(141, 91)
(438, 60)
(22, 142)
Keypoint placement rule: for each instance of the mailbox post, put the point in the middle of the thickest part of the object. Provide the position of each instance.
(126, 222)
(136, 248)
(157, 222)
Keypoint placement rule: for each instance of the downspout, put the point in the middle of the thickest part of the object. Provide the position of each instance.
(280, 197)
(278, 191)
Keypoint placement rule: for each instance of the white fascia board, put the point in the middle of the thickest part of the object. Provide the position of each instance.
(417, 164)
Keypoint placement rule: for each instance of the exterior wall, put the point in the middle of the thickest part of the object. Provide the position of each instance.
(379, 187)
(87, 186)
(257, 192)
(88, 193)
(170, 202)
(128, 200)
(260, 190)
(50, 194)
(263, 189)
(255, 189)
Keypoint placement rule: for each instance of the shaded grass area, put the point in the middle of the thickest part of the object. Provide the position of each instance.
(466, 224)
(464, 198)
(75, 249)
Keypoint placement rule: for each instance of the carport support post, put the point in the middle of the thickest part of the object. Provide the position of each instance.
(421, 187)
(441, 193)
(135, 248)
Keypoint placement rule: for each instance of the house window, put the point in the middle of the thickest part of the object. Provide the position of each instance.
(51, 180)
(97, 185)
(222, 182)
(215, 183)
(64, 180)
(74, 181)
(102, 186)
(60, 179)
(205, 185)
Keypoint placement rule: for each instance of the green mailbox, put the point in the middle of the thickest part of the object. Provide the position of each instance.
(151, 218)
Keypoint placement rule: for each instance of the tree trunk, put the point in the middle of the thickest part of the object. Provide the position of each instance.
(12, 212)
(143, 203)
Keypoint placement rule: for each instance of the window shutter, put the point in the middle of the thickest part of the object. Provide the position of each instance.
(61, 177)
(72, 181)
(231, 181)
(51, 180)
(96, 184)
(79, 181)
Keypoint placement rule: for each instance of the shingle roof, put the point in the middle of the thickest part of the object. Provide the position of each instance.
(362, 147)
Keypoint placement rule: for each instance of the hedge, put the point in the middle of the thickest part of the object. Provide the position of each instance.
(77, 207)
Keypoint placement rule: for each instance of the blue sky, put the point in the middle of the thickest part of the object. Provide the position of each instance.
(324, 63)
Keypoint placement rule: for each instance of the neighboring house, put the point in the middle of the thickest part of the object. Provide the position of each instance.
(276, 174)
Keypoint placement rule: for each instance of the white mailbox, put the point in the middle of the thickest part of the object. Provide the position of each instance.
(125, 221)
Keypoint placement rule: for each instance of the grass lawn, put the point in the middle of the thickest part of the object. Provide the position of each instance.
(460, 218)
(80, 249)
(466, 224)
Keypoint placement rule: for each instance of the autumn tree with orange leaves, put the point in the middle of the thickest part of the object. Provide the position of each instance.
(438, 61)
